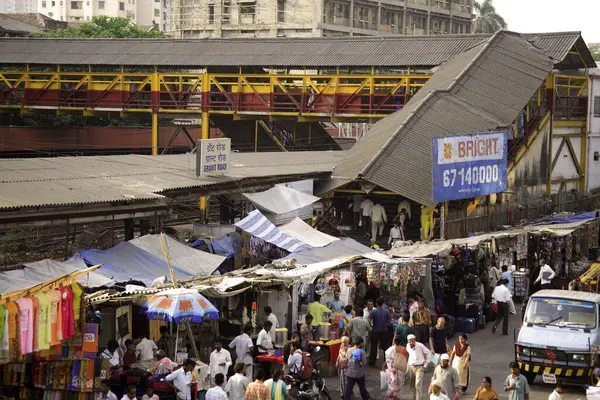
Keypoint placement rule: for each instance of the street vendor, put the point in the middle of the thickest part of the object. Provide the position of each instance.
(336, 305)
(316, 309)
(243, 349)
(112, 352)
(163, 364)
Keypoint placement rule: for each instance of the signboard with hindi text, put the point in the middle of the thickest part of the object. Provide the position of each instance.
(213, 156)
(469, 166)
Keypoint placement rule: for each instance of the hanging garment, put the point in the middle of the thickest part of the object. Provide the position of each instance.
(426, 216)
(25, 325)
(55, 317)
(44, 332)
(35, 305)
(66, 312)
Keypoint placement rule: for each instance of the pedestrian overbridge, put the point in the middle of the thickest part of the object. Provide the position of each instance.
(264, 93)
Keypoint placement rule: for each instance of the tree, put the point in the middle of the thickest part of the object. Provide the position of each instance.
(105, 27)
(487, 21)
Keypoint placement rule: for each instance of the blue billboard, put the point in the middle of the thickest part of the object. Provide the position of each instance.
(469, 166)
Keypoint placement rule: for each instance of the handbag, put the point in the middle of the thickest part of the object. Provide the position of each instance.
(400, 362)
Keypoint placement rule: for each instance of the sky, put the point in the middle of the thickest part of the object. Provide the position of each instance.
(531, 16)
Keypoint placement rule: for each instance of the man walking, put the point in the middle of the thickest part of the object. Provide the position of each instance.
(380, 317)
(403, 329)
(447, 377)
(359, 327)
(243, 349)
(438, 340)
(378, 220)
(418, 359)
(502, 297)
(516, 385)
(356, 371)
(365, 208)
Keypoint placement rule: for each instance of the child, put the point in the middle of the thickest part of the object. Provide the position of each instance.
(150, 394)
(130, 395)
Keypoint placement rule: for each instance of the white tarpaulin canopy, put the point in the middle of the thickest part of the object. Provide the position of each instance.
(281, 199)
(188, 259)
(41, 271)
(443, 247)
(300, 230)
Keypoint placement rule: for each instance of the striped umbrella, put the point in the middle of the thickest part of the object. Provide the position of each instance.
(179, 306)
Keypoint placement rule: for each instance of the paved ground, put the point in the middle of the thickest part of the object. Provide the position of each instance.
(491, 356)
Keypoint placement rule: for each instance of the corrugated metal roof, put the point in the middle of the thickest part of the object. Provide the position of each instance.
(10, 24)
(480, 90)
(387, 51)
(34, 182)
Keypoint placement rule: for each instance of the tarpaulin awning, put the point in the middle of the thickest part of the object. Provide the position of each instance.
(42, 271)
(281, 199)
(339, 249)
(126, 261)
(188, 259)
(571, 218)
(258, 225)
(300, 230)
(443, 247)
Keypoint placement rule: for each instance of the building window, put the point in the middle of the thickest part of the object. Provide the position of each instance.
(43, 4)
(53, 3)
(156, 12)
(596, 106)
(101, 5)
(280, 10)
(76, 5)
(121, 6)
(247, 11)
(211, 13)
(225, 12)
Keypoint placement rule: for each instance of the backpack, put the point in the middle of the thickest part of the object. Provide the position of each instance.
(401, 360)
(306, 368)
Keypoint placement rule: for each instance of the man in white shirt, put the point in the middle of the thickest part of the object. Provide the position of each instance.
(220, 361)
(217, 392)
(356, 202)
(418, 359)
(112, 352)
(365, 208)
(243, 349)
(502, 297)
(557, 393)
(378, 220)
(273, 318)
(105, 393)
(395, 234)
(145, 349)
(238, 383)
(181, 380)
(545, 277)
(263, 341)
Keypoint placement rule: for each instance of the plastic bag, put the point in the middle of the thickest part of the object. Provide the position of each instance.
(511, 307)
(383, 380)
(435, 360)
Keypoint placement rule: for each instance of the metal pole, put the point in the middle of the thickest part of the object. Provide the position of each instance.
(164, 249)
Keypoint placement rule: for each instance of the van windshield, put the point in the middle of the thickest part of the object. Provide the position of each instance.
(561, 312)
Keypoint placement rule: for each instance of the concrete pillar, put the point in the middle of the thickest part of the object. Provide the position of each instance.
(378, 16)
(351, 17)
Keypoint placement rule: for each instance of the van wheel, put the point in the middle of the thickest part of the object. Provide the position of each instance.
(530, 376)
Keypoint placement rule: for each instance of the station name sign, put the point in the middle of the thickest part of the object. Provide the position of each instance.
(469, 166)
(213, 156)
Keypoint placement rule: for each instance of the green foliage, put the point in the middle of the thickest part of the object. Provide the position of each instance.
(105, 27)
(595, 49)
(487, 21)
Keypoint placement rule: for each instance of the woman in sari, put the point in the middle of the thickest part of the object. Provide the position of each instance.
(461, 361)
(342, 362)
(277, 387)
(485, 391)
(396, 361)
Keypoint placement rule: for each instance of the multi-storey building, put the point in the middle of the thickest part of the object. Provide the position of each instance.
(18, 6)
(310, 18)
(141, 12)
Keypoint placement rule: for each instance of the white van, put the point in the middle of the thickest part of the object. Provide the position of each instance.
(560, 336)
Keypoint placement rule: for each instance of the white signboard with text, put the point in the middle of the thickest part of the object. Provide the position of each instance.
(213, 156)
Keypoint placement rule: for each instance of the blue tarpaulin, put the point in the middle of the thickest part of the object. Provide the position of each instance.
(572, 218)
(126, 261)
